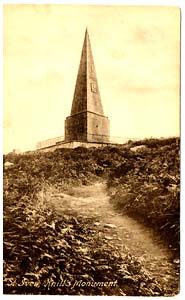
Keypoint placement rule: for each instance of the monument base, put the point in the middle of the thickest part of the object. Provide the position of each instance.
(74, 144)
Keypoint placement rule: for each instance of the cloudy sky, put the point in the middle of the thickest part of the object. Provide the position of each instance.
(136, 54)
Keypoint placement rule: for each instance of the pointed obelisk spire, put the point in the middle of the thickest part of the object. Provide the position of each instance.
(86, 95)
(87, 122)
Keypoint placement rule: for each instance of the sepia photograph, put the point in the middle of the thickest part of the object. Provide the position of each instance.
(91, 149)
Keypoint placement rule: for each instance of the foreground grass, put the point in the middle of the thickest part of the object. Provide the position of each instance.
(47, 253)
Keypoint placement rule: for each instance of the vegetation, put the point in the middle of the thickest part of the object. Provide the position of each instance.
(46, 252)
(146, 186)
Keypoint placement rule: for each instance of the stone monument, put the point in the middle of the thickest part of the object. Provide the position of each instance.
(87, 122)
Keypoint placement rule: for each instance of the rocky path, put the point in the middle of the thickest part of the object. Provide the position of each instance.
(93, 202)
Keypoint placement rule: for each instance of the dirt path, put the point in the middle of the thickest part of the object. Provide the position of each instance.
(142, 242)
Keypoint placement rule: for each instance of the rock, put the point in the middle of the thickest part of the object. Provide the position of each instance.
(107, 237)
(96, 223)
(138, 148)
(8, 164)
(176, 261)
(110, 225)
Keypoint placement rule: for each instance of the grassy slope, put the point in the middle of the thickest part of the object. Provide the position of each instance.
(42, 247)
(146, 186)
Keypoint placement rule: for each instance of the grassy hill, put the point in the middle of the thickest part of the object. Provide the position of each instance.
(42, 247)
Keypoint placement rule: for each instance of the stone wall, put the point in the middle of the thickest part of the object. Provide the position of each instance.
(71, 145)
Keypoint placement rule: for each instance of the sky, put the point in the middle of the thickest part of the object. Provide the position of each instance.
(136, 53)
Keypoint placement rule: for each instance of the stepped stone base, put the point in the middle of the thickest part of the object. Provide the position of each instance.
(71, 145)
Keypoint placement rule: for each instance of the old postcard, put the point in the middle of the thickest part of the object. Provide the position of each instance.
(91, 150)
